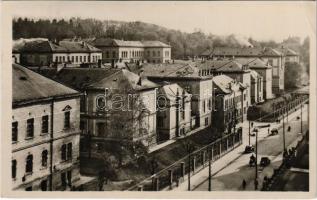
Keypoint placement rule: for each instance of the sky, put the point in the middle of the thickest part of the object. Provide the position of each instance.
(259, 20)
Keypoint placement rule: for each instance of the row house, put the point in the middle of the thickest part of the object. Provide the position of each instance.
(48, 53)
(272, 56)
(187, 77)
(228, 108)
(234, 70)
(264, 70)
(45, 133)
(114, 51)
(173, 112)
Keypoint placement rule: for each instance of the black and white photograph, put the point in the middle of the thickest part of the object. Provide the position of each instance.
(161, 97)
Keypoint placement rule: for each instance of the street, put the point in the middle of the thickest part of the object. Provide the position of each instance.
(231, 177)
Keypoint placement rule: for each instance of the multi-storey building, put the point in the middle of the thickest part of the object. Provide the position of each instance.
(228, 112)
(45, 133)
(187, 77)
(114, 51)
(234, 70)
(48, 53)
(264, 70)
(289, 54)
(269, 55)
(173, 112)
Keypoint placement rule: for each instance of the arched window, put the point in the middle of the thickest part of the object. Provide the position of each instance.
(29, 164)
(44, 158)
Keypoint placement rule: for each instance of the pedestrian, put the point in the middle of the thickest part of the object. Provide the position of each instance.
(244, 184)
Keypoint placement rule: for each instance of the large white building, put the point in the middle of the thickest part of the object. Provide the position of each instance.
(45, 133)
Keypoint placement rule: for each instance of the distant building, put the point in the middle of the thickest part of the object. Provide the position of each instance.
(263, 69)
(187, 77)
(228, 111)
(48, 53)
(234, 70)
(290, 55)
(45, 133)
(114, 51)
(269, 55)
(174, 112)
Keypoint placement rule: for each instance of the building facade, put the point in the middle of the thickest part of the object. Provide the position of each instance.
(115, 51)
(48, 53)
(228, 109)
(173, 112)
(45, 133)
(256, 88)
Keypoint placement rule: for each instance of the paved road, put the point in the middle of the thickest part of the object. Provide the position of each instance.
(230, 178)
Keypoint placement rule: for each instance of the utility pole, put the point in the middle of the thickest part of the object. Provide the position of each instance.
(209, 165)
(284, 145)
(301, 118)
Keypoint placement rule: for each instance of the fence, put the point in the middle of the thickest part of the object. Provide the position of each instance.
(174, 174)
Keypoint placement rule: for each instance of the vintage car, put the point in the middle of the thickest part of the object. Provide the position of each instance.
(274, 131)
(265, 161)
(249, 149)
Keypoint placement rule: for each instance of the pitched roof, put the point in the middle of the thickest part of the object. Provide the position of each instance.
(108, 42)
(78, 78)
(287, 51)
(253, 63)
(124, 79)
(78, 46)
(31, 86)
(171, 70)
(41, 46)
(221, 66)
(268, 51)
(207, 52)
(170, 91)
(237, 51)
(154, 44)
(255, 75)
(223, 84)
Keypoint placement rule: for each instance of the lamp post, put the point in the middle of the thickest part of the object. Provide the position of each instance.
(209, 170)
(249, 132)
(189, 150)
(301, 117)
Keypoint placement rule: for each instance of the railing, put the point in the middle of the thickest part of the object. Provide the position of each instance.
(172, 175)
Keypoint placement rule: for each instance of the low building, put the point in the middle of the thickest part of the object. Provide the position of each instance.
(187, 77)
(48, 53)
(233, 69)
(115, 51)
(228, 109)
(173, 113)
(45, 133)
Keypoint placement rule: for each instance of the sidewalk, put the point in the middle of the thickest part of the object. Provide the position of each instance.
(230, 157)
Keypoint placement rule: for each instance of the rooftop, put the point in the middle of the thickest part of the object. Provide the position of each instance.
(245, 51)
(253, 62)
(221, 66)
(108, 42)
(224, 84)
(287, 51)
(170, 91)
(29, 86)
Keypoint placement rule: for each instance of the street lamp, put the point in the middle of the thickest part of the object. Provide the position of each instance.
(189, 151)
(209, 170)
(256, 160)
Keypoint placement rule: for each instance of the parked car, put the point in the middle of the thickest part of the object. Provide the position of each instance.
(249, 149)
(265, 161)
(274, 131)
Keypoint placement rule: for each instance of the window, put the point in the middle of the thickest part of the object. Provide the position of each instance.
(14, 168)
(160, 121)
(44, 185)
(67, 120)
(153, 53)
(113, 54)
(29, 164)
(72, 58)
(69, 151)
(80, 58)
(14, 131)
(69, 177)
(101, 128)
(204, 105)
(209, 104)
(66, 152)
(107, 54)
(63, 179)
(44, 158)
(244, 97)
(206, 121)
(84, 58)
(158, 53)
(30, 128)
(45, 124)
(76, 58)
